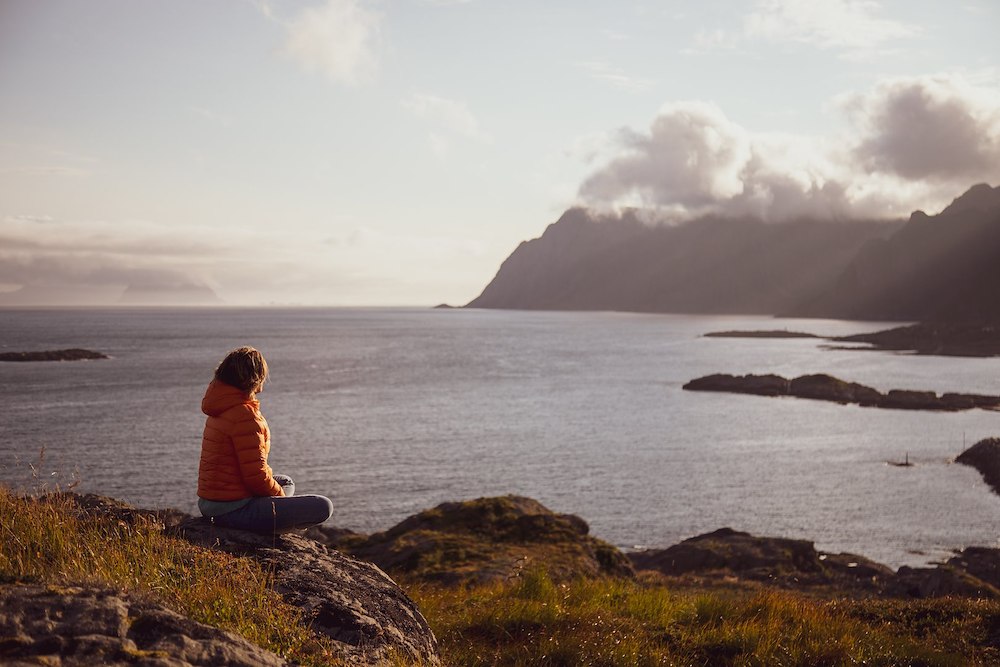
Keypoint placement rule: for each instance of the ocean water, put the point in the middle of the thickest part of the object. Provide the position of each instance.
(391, 411)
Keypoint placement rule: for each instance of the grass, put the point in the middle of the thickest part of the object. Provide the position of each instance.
(51, 540)
(533, 621)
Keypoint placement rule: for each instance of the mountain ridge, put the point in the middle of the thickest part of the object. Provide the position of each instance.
(864, 269)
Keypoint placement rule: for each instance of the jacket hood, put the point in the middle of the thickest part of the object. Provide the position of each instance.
(220, 397)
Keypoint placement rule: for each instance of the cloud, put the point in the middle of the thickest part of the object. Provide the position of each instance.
(853, 27)
(692, 155)
(607, 73)
(40, 250)
(915, 142)
(450, 118)
(935, 128)
(446, 114)
(45, 170)
(838, 24)
(339, 38)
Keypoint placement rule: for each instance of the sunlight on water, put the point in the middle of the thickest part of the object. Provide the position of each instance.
(393, 411)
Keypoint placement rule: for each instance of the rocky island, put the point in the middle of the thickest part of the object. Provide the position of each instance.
(74, 354)
(828, 388)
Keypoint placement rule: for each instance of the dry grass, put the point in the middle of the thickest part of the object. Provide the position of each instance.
(51, 540)
(534, 621)
(527, 621)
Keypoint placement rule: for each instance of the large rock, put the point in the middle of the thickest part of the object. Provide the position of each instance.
(96, 626)
(352, 602)
(488, 539)
(727, 553)
(828, 388)
(761, 385)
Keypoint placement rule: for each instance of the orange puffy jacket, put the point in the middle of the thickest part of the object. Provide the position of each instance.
(234, 448)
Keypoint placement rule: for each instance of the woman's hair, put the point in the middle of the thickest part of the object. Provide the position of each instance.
(243, 368)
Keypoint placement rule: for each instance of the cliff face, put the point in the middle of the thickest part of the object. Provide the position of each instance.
(586, 262)
(935, 268)
(932, 268)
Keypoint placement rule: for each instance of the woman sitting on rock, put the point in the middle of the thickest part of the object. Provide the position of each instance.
(236, 488)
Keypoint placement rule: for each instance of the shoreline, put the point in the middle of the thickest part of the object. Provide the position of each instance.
(977, 340)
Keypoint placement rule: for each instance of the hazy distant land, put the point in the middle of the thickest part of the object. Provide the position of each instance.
(942, 339)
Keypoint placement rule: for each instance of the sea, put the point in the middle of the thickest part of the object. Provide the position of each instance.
(393, 411)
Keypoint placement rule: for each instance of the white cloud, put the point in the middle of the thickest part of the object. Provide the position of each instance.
(45, 170)
(840, 24)
(339, 38)
(691, 156)
(451, 115)
(915, 144)
(854, 28)
(608, 73)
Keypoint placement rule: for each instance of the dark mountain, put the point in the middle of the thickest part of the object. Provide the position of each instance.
(713, 265)
(943, 268)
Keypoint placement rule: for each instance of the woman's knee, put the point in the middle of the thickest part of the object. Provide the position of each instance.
(323, 508)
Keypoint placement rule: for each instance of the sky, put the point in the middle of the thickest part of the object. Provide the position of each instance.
(395, 152)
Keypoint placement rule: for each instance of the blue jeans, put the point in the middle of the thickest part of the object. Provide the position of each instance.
(278, 514)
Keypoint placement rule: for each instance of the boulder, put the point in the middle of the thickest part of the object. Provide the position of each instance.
(939, 581)
(828, 388)
(488, 539)
(48, 625)
(353, 602)
(727, 553)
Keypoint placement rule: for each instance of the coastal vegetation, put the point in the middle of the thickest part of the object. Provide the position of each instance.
(532, 620)
(54, 540)
(530, 617)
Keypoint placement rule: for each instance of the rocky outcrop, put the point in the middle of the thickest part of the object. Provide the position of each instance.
(827, 388)
(729, 555)
(47, 625)
(487, 539)
(774, 560)
(74, 354)
(761, 385)
(350, 601)
(984, 456)
(371, 620)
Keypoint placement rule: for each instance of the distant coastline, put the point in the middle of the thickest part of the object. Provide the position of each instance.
(937, 339)
(74, 354)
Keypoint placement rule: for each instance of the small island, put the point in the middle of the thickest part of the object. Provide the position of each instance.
(772, 333)
(74, 354)
(828, 388)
